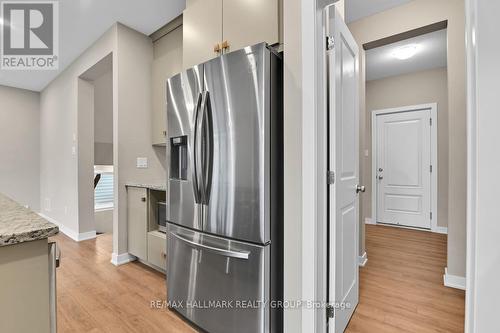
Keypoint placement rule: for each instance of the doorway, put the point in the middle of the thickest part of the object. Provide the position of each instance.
(404, 161)
(95, 149)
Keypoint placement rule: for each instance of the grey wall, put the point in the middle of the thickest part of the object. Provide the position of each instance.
(132, 54)
(85, 156)
(59, 138)
(19, 145)
(132, 124)
(429, 86)
(103, 119)
(410, 16)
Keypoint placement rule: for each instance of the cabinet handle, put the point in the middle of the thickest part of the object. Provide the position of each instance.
(164, 133)
(143, 199)
(225, 45)
(217, 48)
(163, 254)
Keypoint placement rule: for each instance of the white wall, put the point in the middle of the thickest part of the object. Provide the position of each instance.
(304, 148)
(292, 161)
(19, 146)
(483, 266)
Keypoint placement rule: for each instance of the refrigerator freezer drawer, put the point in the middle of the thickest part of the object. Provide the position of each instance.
(220, 285)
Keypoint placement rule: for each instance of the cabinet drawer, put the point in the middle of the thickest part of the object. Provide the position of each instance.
(157, 245)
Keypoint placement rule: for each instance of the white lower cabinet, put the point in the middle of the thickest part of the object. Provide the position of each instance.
(144, 240)
(157, 247)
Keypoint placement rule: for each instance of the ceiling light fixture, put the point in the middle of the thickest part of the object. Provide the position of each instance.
(405, 52)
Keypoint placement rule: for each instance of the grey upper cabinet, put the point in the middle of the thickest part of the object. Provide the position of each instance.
(167, 62)
(213, 27)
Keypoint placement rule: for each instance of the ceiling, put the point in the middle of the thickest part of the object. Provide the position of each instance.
(82, 22)
(381, 63)
(357, 9)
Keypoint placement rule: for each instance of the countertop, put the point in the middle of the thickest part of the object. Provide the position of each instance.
(156, 187)
(19, 224)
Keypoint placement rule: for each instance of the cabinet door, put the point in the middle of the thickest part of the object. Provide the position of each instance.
(202, 29)
(157, 244)
(137, 219)
(167, 62)
(250, 22)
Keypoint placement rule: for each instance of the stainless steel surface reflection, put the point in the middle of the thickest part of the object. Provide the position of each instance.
(202, 278)
(224, 199)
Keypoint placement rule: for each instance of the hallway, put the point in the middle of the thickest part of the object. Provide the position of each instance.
(401, 286)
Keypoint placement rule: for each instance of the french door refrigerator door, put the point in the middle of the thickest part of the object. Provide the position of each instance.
(237, 107)
(221, 285)
(183, 100)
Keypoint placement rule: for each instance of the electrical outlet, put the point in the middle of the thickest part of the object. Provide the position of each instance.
(142, 162)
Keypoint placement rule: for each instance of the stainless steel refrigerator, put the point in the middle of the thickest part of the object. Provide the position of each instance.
(224, 198)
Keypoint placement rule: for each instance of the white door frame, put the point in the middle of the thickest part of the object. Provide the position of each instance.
(434, 159)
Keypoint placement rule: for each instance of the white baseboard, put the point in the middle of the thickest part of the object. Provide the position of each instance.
(86, 235)
(453, 281)
(120, 259)
(77, 237)
(440, 230)
(369, 220)
(362, 260)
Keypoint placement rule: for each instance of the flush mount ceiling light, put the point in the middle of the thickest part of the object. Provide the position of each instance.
(405, 52)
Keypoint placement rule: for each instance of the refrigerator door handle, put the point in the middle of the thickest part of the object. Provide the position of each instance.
(222, 252)
(207, 146)
(194, 151)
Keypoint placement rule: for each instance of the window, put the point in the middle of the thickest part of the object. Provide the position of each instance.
(104, 192)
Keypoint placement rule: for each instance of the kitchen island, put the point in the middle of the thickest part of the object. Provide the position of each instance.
(27, 270)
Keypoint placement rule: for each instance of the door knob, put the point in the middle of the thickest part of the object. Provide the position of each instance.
(360, 188)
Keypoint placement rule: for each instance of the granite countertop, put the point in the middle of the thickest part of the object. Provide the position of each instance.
(19, 224)
(156, 187)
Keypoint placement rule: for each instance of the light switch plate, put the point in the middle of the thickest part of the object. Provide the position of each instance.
(367, 153)
(142, 162)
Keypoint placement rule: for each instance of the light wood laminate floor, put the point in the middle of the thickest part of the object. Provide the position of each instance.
(95, 296)
(400, 288)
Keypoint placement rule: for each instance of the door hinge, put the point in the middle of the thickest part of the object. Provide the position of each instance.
(330, 43)
(430, 121)
(430, 168)
(330, 177)
(330, 311)
(430, 215)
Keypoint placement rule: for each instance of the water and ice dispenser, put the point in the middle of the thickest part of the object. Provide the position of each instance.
(178, 157)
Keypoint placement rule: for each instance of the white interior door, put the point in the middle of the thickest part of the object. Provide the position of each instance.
(344, 161)
(403, 168)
